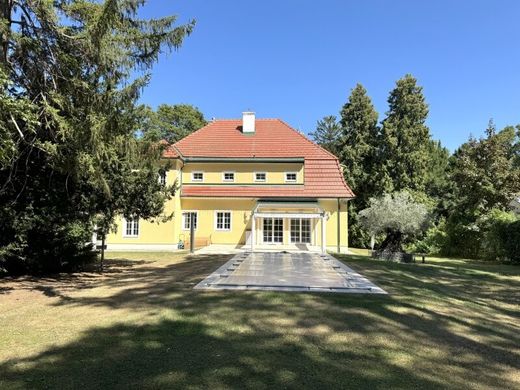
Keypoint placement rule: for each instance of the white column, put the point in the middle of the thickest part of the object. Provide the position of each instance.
(323, 234)
(253, 232)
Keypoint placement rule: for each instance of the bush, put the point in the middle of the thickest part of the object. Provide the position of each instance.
(432, 242)
(493, 228)
(510, 241)
(48, 249)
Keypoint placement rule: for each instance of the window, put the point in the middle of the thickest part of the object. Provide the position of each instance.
(131, 227)
(222, 220)
(162, 177)
(186, 220)
(228, 176)
(197, 176)
(290, 177)
(301, 231)
(260, 176)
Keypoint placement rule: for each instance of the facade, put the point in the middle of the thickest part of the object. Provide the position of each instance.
(247, 182)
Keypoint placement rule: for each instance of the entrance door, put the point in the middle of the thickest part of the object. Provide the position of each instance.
(300, 231)
(273, 230)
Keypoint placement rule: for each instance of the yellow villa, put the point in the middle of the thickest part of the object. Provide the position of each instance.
(252, 183)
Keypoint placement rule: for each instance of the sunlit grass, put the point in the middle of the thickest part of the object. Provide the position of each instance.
(445, 324)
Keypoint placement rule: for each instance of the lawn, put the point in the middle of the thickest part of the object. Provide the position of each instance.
(445, 324)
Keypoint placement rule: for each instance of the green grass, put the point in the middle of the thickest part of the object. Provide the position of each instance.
(445, 324)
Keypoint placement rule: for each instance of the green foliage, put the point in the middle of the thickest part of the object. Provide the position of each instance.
(171, 122)
(68, 116)
(493, 231)
(433, 240)
(394, 212)
(359, 145)
(397, 215)
(484, 177)
(327, 134)
(510, 241)
(405, 138)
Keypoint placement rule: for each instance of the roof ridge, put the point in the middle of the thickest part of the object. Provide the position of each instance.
(240, 119)
(308, 140)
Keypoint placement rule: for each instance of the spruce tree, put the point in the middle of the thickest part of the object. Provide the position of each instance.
(327, 134)
(71, 73)
(405, 138)
(359, 145)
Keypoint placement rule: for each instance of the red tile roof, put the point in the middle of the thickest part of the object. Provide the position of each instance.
(273, 138)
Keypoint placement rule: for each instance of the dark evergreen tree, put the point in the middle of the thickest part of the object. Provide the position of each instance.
(327, 134)
(68, 93)
(360, 145)
(406, 138)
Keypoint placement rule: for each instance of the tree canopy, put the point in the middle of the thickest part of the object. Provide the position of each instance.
(171, 122)
(327, 134)
(405, 138)
(396, 215)
(70, 76)
(359, 147)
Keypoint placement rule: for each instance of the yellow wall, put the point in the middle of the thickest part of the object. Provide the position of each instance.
(240, 219)
(153, 232)
(244, 172)
(331, 206)
(169, 233)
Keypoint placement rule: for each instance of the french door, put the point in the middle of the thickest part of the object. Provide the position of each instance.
(300, 231)
(273, 230)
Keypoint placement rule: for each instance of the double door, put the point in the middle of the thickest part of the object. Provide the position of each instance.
(300, 232)
(273, 230)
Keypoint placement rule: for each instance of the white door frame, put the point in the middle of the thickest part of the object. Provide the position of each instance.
(272, 242)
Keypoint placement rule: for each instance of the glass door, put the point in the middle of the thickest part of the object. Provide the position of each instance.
(273, 230)
(300, 231)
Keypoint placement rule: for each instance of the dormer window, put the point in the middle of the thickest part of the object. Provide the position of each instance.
(290, 177)
(260, 176)
(197, 176)
(228, 176)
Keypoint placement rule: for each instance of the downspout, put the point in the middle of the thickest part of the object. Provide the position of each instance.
(339, 228)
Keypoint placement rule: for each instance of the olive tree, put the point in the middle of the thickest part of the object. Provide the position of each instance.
(397, 215)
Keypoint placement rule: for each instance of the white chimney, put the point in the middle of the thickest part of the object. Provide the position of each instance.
(248, 122)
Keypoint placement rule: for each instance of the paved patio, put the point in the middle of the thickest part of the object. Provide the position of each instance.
(304, 271)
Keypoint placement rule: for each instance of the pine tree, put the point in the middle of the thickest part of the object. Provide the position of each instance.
(359, 145)
(405, 138)
(327, 134)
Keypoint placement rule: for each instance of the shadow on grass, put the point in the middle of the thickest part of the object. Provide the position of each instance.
(434, 330)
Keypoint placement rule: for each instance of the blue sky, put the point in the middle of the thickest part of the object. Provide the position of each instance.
(298, 60)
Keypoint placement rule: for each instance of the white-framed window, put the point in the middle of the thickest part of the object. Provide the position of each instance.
(260, 176)
(228, 176)
(186, 220)
(197, 176)
(162, 177)
(131, 227)
(290, 177)
(223, 220)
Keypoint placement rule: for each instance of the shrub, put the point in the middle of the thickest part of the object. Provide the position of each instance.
(510, 241)
(433, 241)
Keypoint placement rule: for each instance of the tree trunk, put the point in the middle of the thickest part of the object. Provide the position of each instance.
(393, 242)
(102, 250)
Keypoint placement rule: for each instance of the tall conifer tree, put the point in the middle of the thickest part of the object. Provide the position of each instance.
(71, 73)
(359, 145)
(405, 138)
